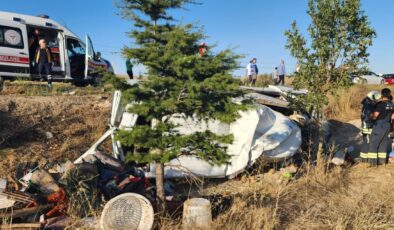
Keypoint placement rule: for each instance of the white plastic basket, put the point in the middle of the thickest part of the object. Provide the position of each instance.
(129, 211)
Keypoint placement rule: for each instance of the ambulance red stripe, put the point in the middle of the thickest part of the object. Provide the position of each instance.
(14, 59)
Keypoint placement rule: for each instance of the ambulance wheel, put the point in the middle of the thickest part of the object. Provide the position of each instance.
(80, 83)
(95, 81)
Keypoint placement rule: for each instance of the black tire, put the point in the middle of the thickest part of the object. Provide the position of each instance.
(80, 83)
(95, 81)
(364, 82)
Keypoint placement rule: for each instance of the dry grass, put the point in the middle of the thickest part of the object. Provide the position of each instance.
(347, 105)
(339, 199)
(31, 88)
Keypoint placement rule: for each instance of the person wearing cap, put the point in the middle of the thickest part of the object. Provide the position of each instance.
(43, 60)
(252, 71)
(382, 118)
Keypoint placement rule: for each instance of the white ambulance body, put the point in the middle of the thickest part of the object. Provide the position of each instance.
(73, 59)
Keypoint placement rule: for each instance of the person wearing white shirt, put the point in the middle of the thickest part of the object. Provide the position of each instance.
(281, 73)
(252, 71)
(275, 75)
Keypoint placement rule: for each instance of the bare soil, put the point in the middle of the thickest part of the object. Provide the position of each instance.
(53, 127)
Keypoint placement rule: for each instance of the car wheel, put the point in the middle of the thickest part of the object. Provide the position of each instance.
(364, 82)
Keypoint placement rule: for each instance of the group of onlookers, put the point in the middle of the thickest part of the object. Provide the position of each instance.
(278, 76)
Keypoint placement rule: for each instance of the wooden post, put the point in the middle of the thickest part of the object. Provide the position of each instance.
(161, 202)
(197, 214)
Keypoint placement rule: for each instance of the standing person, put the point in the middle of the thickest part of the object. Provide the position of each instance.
(34, 39)
(129, 68)
(379, 143)
(368, 108)
(252, 71)
(43, 61)
(281, 73)
(275, 75)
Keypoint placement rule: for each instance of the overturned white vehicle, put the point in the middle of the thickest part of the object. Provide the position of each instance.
(258, 133)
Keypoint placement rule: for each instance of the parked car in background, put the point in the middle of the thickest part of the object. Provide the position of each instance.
(367, 78)
(388, 79)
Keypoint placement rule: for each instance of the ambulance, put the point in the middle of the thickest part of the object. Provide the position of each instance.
(73, 60)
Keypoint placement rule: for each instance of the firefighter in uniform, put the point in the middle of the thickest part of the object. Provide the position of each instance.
(368, 107)
(367, 110)
(379, 142)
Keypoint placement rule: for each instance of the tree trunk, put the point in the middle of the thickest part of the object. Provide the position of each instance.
(161, 204)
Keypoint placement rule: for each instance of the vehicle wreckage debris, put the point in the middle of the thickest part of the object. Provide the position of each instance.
(26, 211)
(50, 191)
(22, 226)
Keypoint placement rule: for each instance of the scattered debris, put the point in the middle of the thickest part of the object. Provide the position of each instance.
(339, 158)
(60, 222)
(21, 226)
(5, 201)
(44, 182)
(49, 135)
(73, 92)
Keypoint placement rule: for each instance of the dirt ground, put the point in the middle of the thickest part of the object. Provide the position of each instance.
(53, 127)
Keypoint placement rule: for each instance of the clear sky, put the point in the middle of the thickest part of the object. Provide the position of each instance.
(254, 28)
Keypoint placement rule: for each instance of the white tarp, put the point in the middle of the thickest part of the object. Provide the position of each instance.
(259, 133)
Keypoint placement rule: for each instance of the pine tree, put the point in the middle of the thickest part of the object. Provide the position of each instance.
(178, 81)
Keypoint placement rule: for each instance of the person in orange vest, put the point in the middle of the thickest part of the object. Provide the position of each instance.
(43, 60)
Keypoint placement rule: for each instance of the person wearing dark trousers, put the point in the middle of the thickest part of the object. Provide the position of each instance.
(129, 69)
(43, 60)
(379, 143)
(368, 108)
(252, 71)
(281, 73)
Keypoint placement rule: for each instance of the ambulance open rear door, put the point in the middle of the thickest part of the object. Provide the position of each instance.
(89, 54)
